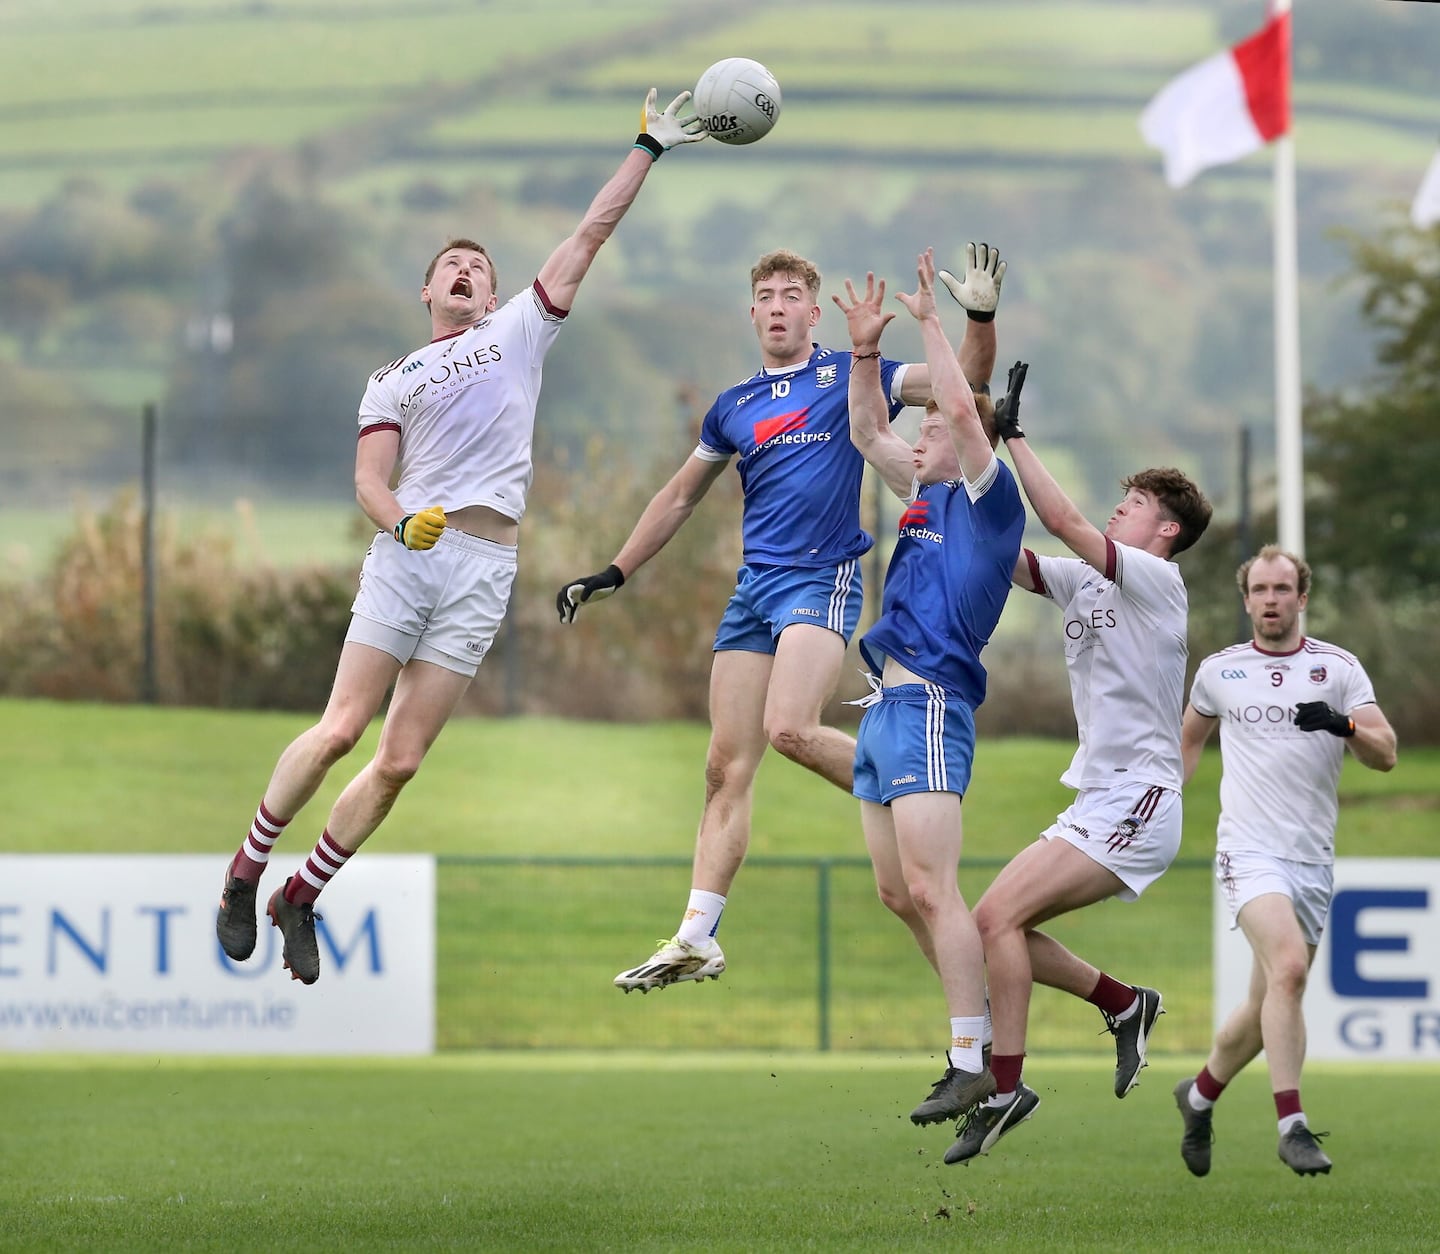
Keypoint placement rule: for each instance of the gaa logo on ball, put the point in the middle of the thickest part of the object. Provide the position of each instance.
(738, 100)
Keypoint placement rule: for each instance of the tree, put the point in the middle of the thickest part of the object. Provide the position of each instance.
(1372, 454)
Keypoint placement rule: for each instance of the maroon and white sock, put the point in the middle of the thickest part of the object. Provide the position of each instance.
(1206, 1090)
(1288, 1110)
(1006, 1069)
(320, 868)
(1117, 1000)
(249, 863)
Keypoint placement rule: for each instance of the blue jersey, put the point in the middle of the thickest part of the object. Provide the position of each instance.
(799, 470)
(948, 580)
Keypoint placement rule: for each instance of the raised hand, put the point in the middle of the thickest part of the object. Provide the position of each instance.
(1007, 408)
(979, 291)
(922, 303)
(866, 315)
(660, 132)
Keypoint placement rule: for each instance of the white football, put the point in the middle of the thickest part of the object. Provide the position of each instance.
(738, 100)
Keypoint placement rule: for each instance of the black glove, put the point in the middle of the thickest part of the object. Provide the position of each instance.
(1313, 716)
(1007, 408)
(592, 588)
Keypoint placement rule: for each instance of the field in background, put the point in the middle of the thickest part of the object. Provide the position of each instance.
(416, 89)
(677, 1152)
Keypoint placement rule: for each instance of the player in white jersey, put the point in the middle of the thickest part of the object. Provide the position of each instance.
(945, 587)
(781, 642)
(1275, 848)
(1124, 608)
(455, 419)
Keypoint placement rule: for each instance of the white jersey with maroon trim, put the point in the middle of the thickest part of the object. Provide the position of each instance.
(464, 406)
(1125, 650)
(1278, 784)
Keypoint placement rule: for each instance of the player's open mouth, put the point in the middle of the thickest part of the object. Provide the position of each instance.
(462, 287)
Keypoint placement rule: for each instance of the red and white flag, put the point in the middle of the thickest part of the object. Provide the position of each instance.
(1225, 108)
(1425, 212)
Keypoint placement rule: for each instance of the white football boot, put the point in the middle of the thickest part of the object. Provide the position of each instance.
(674, 962)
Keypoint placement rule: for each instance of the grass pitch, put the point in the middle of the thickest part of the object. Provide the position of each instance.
(679, 1152)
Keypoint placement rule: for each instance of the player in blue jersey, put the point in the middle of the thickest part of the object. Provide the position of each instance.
(781, 641)
(948, 579)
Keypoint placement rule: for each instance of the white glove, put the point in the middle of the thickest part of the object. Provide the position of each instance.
(659, 132)
(979, 294)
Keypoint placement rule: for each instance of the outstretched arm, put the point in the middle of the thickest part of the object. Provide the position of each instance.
(661, 519)
(560, 276)
(952, 391)
(1059, 514)
(667, 512)
(979, 295)
(870, 429)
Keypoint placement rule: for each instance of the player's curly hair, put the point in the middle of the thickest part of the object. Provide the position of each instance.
(1180, 501)
(473, 247)
(783, 261)
(1269, 553)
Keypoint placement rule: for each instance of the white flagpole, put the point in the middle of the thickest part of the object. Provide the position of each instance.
(1289, 452)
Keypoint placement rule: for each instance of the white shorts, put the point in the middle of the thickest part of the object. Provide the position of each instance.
(441, 605)
(1132, 830)
(1245, 874)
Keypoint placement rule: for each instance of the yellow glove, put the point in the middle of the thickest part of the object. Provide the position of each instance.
(420, 531)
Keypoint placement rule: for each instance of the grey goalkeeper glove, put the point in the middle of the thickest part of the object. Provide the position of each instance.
(659, 132)
(592, 588)
(979, 291)
(1007, 408)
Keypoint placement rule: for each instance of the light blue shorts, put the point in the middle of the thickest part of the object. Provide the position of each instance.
(916, 738)
(768, 599)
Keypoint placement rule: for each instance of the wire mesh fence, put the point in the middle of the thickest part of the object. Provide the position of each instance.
(528, 948)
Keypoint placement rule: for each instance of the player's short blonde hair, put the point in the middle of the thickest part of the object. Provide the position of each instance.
(1269, 553)
(783, 261)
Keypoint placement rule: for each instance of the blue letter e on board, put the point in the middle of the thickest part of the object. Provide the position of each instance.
(1348, 942)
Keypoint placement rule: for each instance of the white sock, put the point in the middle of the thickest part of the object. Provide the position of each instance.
(1290, 1121)
(702, 916)
(987, 1035)
(1197, 1100)
(965, 1036)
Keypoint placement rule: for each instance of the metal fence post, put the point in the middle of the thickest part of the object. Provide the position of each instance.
(148, 685)
(822, 965)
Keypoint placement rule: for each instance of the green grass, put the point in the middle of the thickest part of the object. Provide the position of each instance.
(564, 1152)
(552, 787)
(98, 779)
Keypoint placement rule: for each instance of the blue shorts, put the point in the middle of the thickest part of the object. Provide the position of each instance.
(768, 599)
(916, 738)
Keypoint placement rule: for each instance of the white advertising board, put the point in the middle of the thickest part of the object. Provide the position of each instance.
(117, 954)
(1374, 990)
